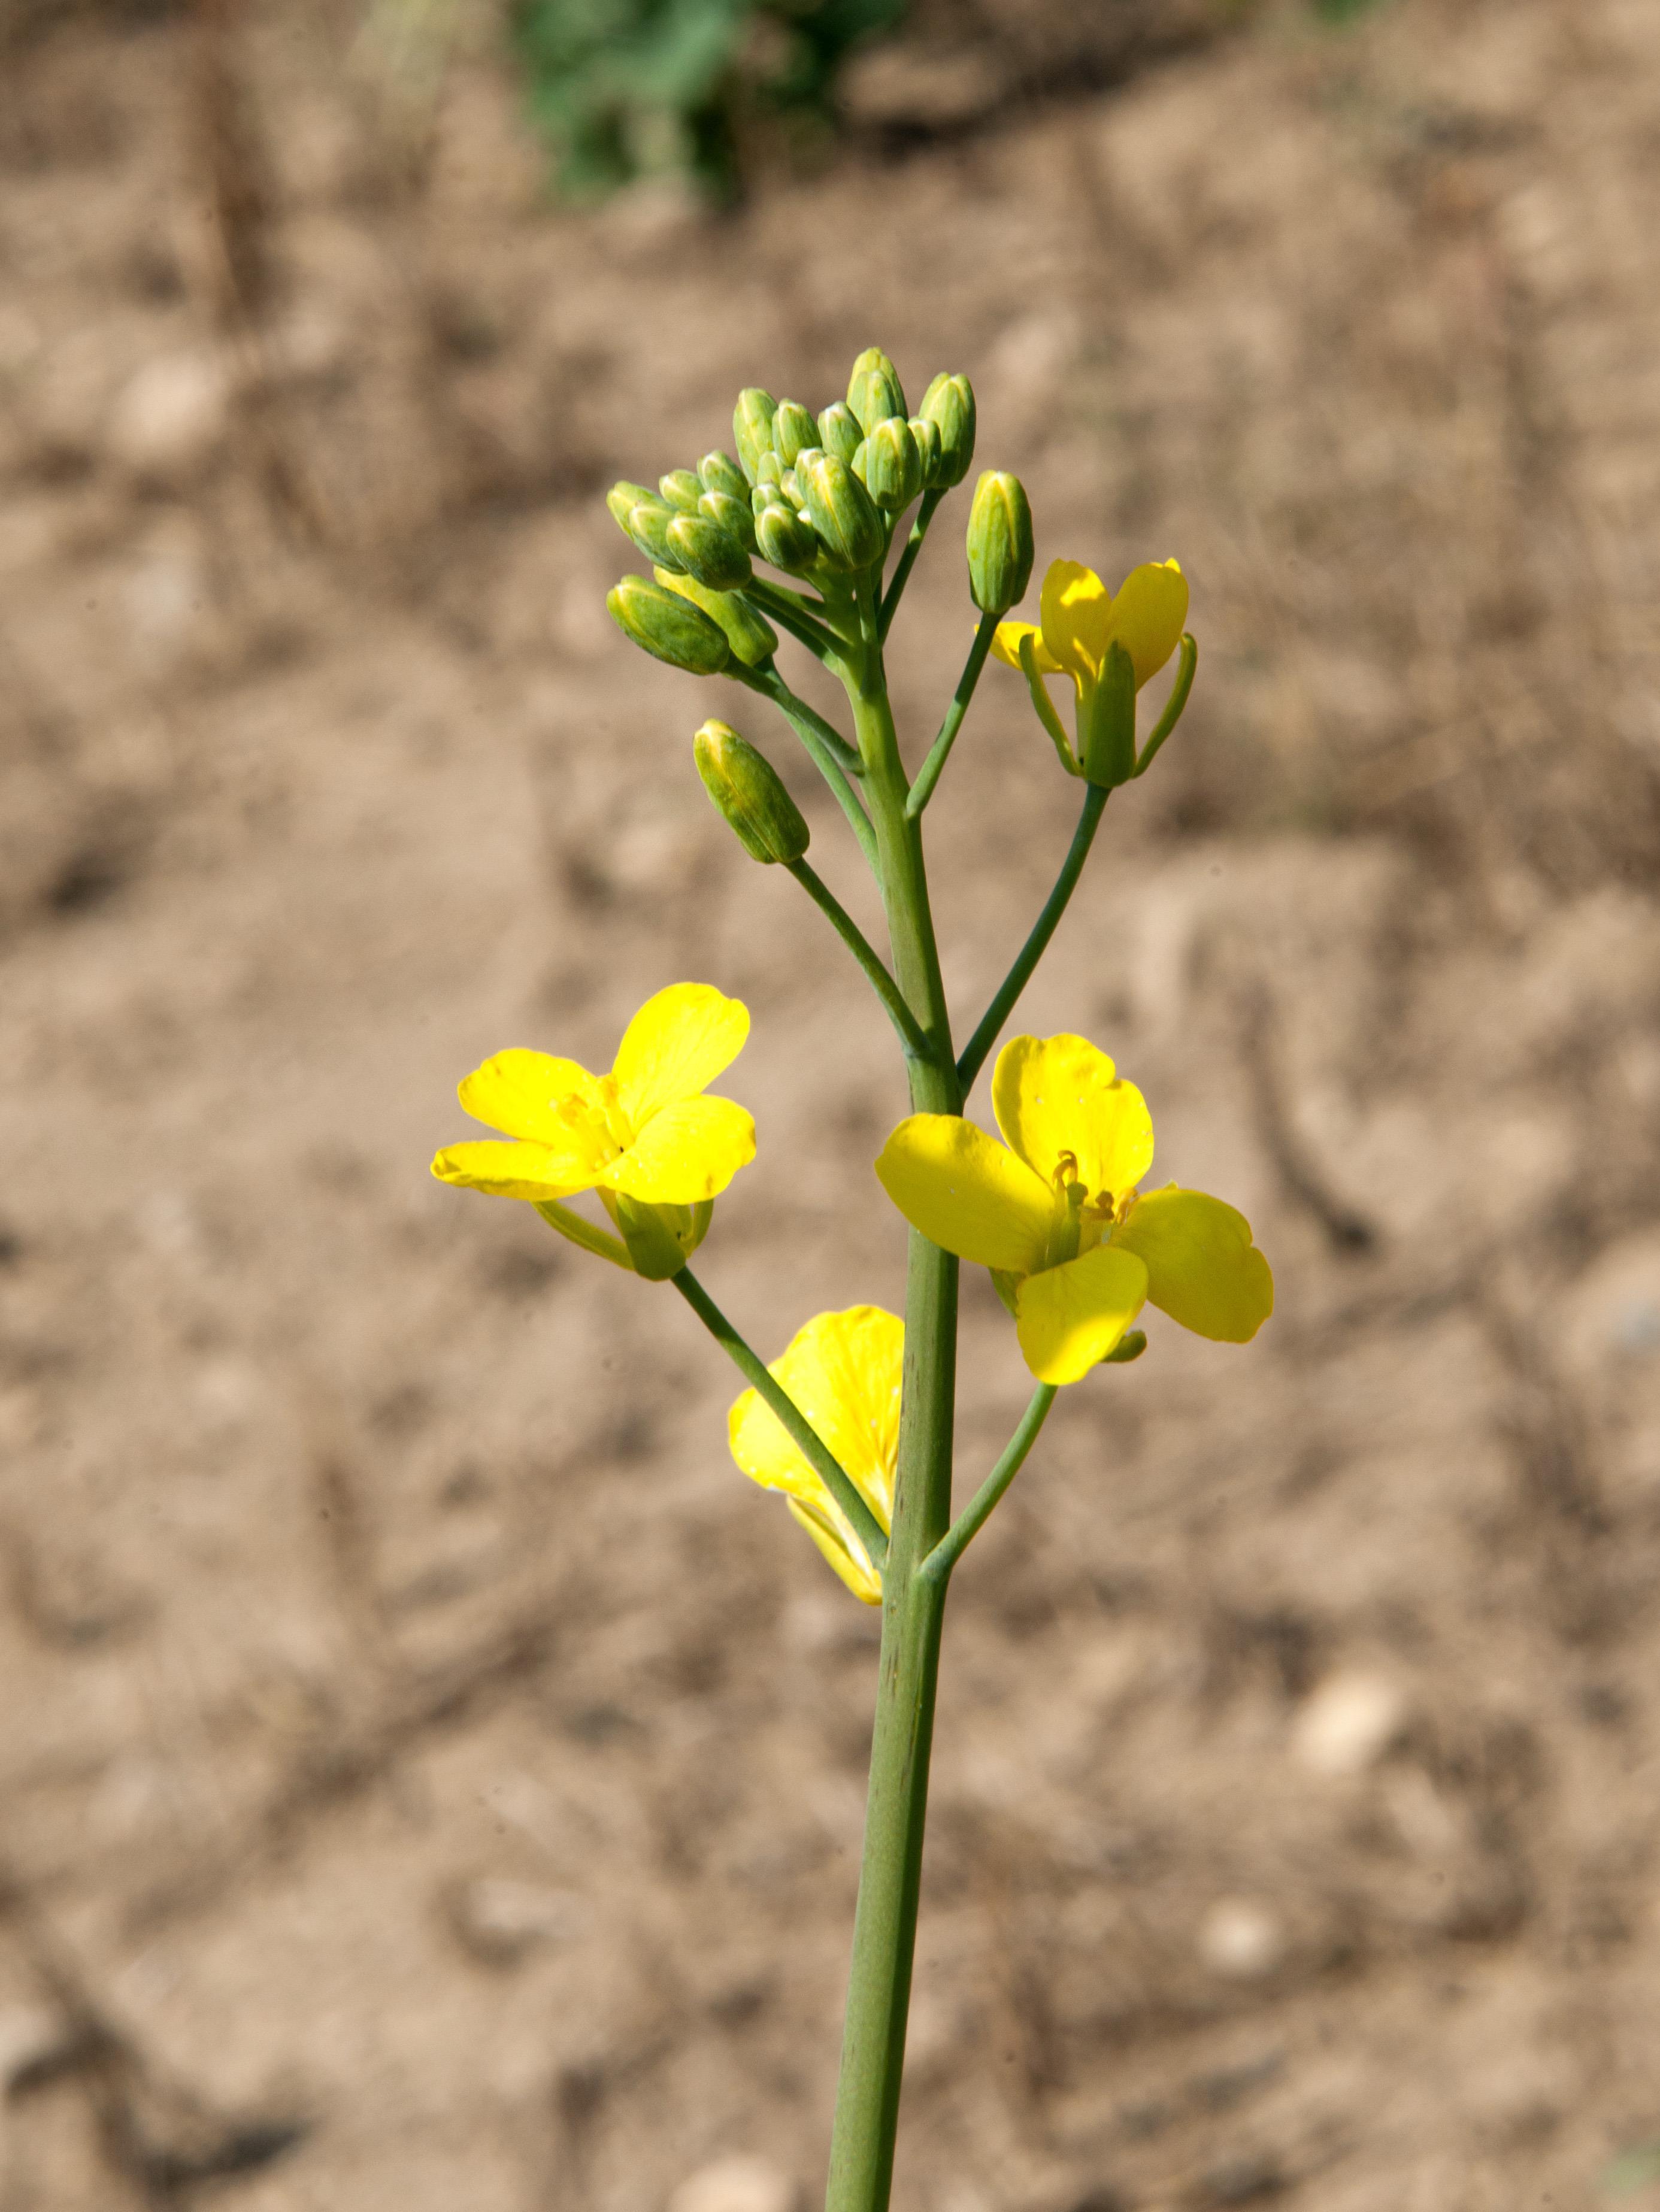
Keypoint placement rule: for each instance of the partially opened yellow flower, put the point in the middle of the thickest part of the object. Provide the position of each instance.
(1056, 1213)
(644, 1136)
(1080, 620)
(843, 1370)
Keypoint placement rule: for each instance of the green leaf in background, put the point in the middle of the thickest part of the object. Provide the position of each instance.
(626, 88)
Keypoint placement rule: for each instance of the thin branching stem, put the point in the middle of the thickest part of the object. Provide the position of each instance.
(918, 530)
(904, 1022)
(939, 751)
(816, 735)
(972, 1519)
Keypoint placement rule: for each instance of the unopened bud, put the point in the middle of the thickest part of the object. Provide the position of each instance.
(734, 516)
(893, 467)
(860, 458)
(718, 472)
(745, 785)
(999, 543)
(1107, 740)
(751, 427)
(782, 537)
(949, 402)
(768, 468)
(705, 551)
(839, 509)
(682, 491)
(926, 431)
(622, 497)
(665, 624)
(838, 430)
(750, 635)
(647, 524)
(874, 392)
(793, 431)
(789, 488)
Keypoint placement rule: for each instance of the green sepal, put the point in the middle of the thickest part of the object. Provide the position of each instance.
(1129, 1347)
(782, 537)
(1108, 738)
(949, 403)
(705, 551)
(751, 427)
(745, 788)
(1045, 707)
(1007, 1288)
(839, 432)
(839, 509)
(1174, 705)
(769, 469)
(583, 1233)
(926, 431)
(1000, 548)
(718, 472)
(793, 431)
(666, 624)
(752, 638)
(647, 528)
(893, 466)
(874, 392)
(682, 490)
(660, 1239)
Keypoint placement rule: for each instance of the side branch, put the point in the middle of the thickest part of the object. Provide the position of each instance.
(910, 1035)
(841, 1485)
(1089, 821)
(829, 750)
(918, 530)
(975, 1515)
(939, 751)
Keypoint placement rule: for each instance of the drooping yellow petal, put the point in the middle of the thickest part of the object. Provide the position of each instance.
(843, 1549)
(1069, 1318)
(843, 1370)
(687, 1152)
(520, 1094)
(532, 1171)
(677, 1043)
(1075, 609)
(1006, 645)
(1202, 1268)
(1059, 1095)
(1148, 611)
(968, 1193)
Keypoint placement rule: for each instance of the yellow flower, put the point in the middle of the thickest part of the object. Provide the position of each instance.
(644, 1137)
(843, 1370)
(1056, 1216)
(1079, 620)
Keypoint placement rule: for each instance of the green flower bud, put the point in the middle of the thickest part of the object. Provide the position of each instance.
(646, 524)
(751, 427)
(705, 551)
(926, 431)
(949, 402)
(1107, 740)
(782, 537)
(768, 468)
(893, 467)
(682, 490)
(789, 487)
(839, 509)
(717, 472)
(999, 543)
(750, 635)
(861, 461)
(874, 392)
(734, 516)
(665, 624)
(793, 431)
(622, 497)
(838, 430)
(744, 787)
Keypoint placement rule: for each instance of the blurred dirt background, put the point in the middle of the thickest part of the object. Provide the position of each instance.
(429, 1776)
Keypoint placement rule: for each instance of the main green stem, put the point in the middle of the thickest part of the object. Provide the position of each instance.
(913, 1604)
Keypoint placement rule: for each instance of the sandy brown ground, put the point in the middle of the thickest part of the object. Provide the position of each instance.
(430, 1775)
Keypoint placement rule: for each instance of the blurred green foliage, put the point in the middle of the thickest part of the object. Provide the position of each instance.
(625, 89)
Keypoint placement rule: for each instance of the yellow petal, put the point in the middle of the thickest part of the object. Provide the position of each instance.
(532, 1171)
(677, 1043)
(1202, 1268)
(1006, 645)
(1069, 1318)
(967, 1193)
(1076, 612)
(843, 1370)
(520, 1094)
(1061, 1094)
(1148, 613)
(686, 1152)
(844, 1552)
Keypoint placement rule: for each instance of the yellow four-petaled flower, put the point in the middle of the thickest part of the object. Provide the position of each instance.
(843, 1370)
(1079, 620)
(1056, 1213)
